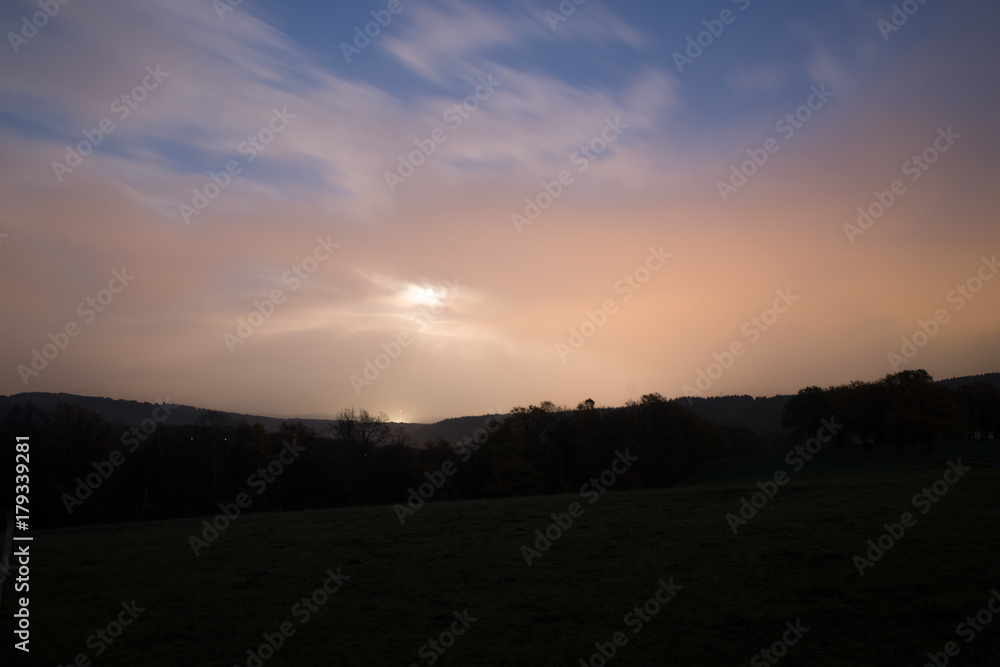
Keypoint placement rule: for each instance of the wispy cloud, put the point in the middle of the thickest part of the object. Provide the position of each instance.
(324, 175)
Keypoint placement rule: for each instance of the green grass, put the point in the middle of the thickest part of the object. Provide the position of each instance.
(793, 561)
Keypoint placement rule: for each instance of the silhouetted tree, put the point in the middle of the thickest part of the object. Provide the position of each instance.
(920, 409)
(219, 440)
(863, 408)
(360, 432)
(803, 412)
(982, 402)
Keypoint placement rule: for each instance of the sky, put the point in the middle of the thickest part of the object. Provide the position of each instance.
(440, 208)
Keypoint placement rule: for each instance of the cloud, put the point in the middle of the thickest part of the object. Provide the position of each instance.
(324, 176)
(453, 39)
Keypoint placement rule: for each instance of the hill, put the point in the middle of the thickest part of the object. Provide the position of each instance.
(452, 430)
(757, 413)
(760, 414)
(763, 415)
(955, 383)
(124, 413)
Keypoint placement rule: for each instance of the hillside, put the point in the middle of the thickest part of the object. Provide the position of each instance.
(760, 414)
(763, 415)
(123, 413)
(452, 430)
(955, 383)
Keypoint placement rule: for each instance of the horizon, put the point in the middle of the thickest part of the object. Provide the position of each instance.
(261, 209)
(526, 404)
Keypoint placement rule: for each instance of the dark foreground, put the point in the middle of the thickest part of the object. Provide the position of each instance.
(455, 575)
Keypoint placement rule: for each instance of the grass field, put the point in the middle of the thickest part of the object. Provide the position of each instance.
(792, 562)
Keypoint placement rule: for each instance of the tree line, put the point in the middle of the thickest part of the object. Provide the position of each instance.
(906, 411)
(85, 470)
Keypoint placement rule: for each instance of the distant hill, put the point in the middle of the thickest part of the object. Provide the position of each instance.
(761, 414)
(757, 413)
(452, 430)
(125, 413)
(955, 383)
(115, 411)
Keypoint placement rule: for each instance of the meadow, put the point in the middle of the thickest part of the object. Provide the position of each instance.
(403, 586)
